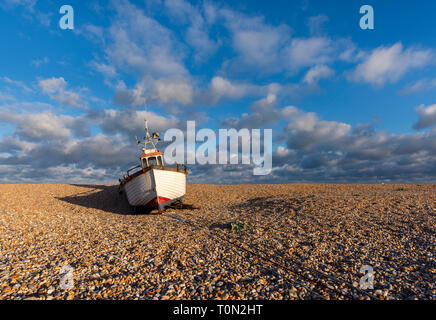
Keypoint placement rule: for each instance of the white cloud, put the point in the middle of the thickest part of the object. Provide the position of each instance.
(283, 151)
(427, 117)
(91, 32)
(315, 23)
(389, 64)
(56, 88)
(197, 35)
(17, 83)
(107, 70)
(6, 97)
(223, 88)
(130, 122)
(43, 143)
(44, 18)
(45, 125)
(28, 4)
(172, 90)
(419, 86)
(140, 44)
(125, 97)
(52, 85)
(270, 49)
(307, 131)
(306, 52)
(257, 43)
(259, 47)
(263, 113)
(180, 10)
(12, 145)
(316, 73)
(38, 62)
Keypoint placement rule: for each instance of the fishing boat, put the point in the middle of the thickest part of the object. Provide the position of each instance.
(151, 183)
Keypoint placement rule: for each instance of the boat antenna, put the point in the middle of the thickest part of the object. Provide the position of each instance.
(150, 138)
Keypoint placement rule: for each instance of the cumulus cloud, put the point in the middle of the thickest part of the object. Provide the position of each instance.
(12, 145)
(263, 113)
(271, 49)
(332, 151)
(316, 73)
(45, 125)
(125, 97)
(197, 35)
(129, 122)
(306, 131)
(389, 64)
(145, 62)
(221, 88)
(56, 89)
(140, 44)
(427, 117)
(163, 91)
(314, 149)
(137, 43)
(309, 52)
(257, 44)
(49, 143)
(172, 90)
(260, 48)
(107, 70)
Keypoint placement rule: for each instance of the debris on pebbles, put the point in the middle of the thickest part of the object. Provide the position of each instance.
(296, 242)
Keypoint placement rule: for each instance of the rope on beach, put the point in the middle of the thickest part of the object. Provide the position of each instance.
(332, 278)
(234, 244)
(232, 247)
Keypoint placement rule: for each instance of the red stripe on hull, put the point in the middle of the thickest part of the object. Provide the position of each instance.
(153, 202)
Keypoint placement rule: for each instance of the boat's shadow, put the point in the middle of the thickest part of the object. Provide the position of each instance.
(108, 199)
(100, 197)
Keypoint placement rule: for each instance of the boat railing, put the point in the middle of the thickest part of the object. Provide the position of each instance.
(136, 167)
(181, 165)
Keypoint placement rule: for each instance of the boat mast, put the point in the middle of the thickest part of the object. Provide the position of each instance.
(148, 138)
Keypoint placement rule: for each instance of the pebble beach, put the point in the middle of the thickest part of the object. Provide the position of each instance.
(292, 241)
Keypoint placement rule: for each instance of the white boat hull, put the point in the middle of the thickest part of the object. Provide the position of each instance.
(155, 187)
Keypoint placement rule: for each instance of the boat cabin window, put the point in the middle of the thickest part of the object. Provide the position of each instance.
(152, 161)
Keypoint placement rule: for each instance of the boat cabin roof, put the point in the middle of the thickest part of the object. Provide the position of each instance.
(150, 154)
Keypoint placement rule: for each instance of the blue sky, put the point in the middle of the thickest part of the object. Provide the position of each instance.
(346, 105)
